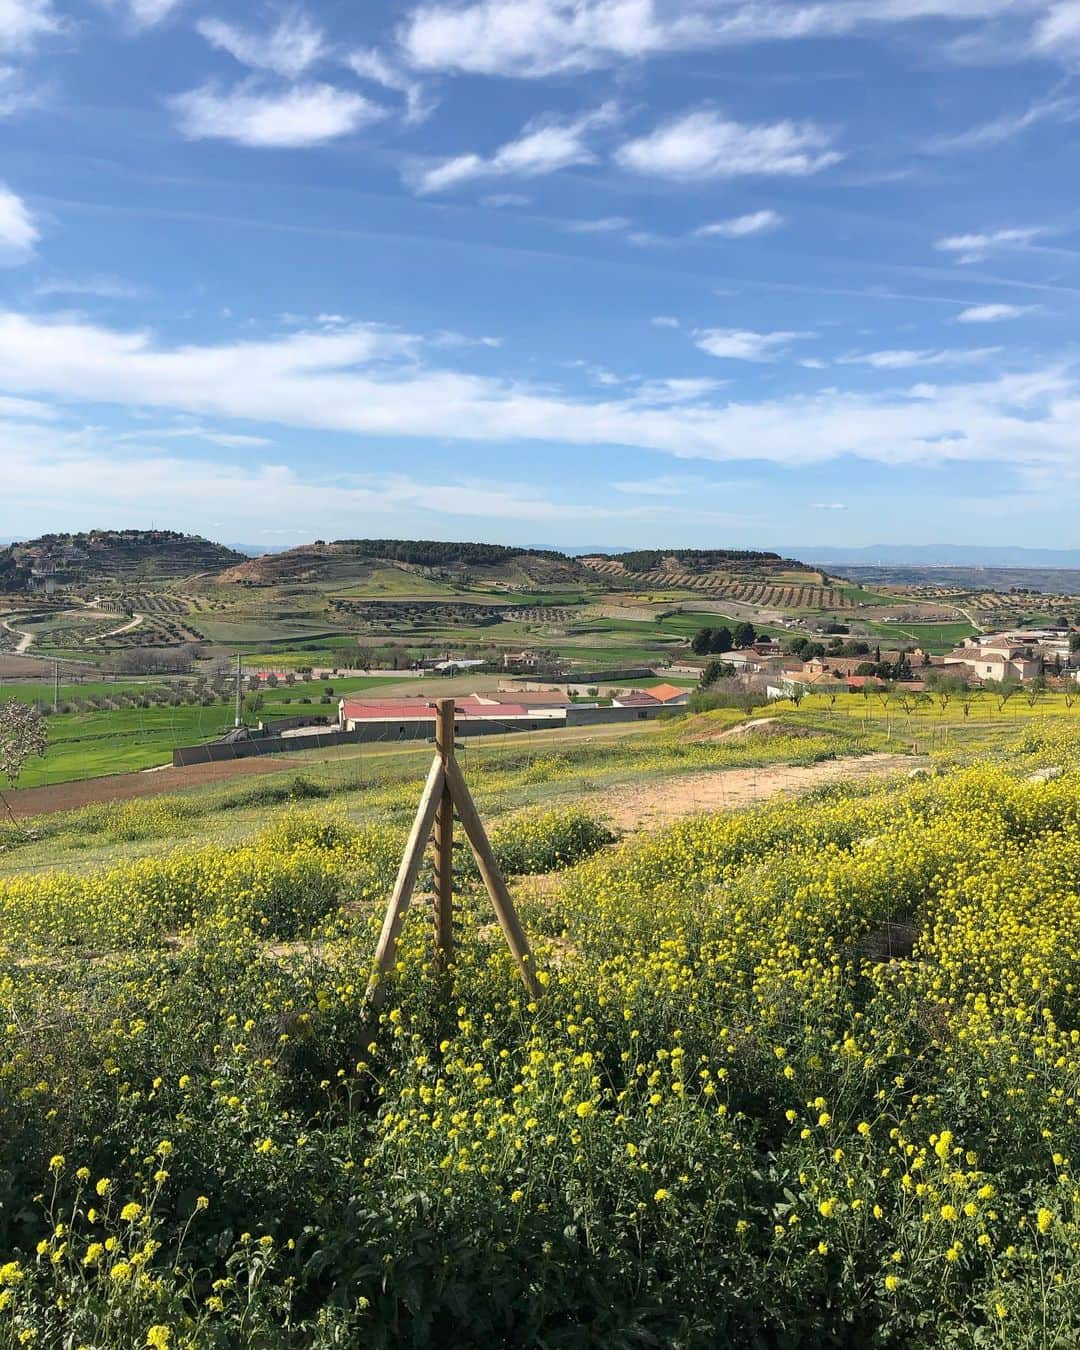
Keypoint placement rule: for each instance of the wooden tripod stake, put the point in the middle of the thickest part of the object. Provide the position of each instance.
(444, 792)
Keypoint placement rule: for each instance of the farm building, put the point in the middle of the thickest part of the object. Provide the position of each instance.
(670, 695)
(403, 713)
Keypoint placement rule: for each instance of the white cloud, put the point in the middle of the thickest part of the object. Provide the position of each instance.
(901, 359)
(17, 93)
(23, 22)
(80, 478)
(361, 381)
(656, 392)
(1057, 33)
(991, 313)
(704, 144)
(544, 146)
(739, 344)
(18, 231)
(738, 227)
(970, 248)
(288, 49)
(828, 506)
(369, 64)
(664, 321)
(535, 38)
(148, 13)
(304, 115)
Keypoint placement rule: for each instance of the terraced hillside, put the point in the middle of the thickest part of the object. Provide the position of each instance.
(417, 562)
(112, 556)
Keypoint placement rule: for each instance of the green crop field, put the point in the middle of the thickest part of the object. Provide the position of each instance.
(932, 637)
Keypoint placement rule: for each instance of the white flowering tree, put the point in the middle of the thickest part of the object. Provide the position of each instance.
(22, 734)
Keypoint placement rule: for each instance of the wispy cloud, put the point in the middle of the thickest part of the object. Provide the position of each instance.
(535, 38)
(230, 440)
(288, 49)
(828, 506)
(969, 248)
(23, 22)
(738, 227)
(18, 92)
(302, 116)
(106, 288)
(703, 145)
(740, 344)
(602, 225)
(667, 485)
(1057, 32)
(18, 230)
(1007, 126)
(664, 321)
(349, 381)
(545, 146)
(147, 13)
(901, 359)
(369, 64)
(992, 313)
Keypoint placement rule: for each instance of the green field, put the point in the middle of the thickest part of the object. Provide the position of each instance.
(936, 638)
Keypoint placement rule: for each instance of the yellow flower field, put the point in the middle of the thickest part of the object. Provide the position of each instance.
(803, 1075)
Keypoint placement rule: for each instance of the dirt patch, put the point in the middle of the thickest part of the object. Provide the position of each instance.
(655, 804)
(121, 787)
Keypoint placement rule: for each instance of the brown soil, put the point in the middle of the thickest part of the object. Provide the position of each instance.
(120, 787)
(655, 804)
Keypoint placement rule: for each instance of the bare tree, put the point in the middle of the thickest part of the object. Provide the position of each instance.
(1002, 690)
(22, 733)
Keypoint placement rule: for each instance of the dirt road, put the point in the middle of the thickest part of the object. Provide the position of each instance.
(655, 804)
(634, 807)
(25, 639)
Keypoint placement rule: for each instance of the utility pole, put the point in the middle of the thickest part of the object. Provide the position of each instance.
(239, 678)
(56, 686)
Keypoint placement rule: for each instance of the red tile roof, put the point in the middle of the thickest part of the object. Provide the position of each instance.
(664, 693)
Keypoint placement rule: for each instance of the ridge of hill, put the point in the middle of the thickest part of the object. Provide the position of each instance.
(112, 555)
(695, 560)
(340, 559)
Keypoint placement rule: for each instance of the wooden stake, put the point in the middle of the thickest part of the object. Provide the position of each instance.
(444, 842)
(493, 877)
(445, 791)
(406, 880)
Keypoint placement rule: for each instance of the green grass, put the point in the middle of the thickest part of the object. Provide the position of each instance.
(932, 637)
(87, 745)
(41, 691)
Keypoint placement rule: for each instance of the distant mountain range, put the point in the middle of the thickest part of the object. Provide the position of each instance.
(937, 555)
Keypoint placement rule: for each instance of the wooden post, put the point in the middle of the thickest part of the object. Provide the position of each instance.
(444, 793)
(444, 841)
(493, 877)
(406, 880)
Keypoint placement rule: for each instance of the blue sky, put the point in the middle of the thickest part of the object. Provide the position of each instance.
(608, 271)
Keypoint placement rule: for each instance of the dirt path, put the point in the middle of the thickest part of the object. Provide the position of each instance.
(25, 639)
(133, 622)
(655, 804)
